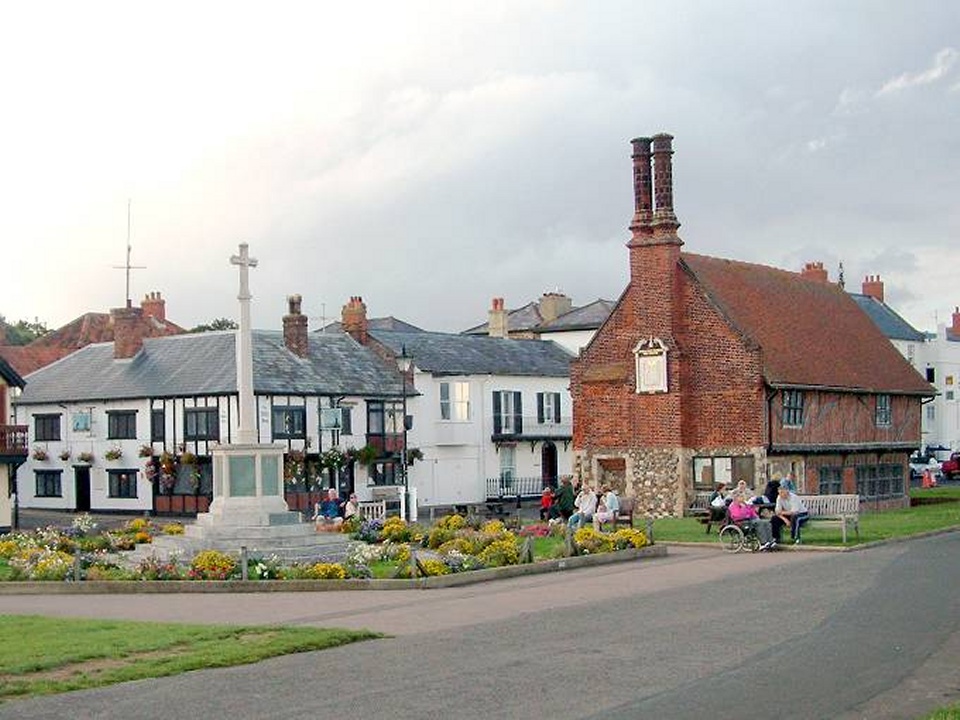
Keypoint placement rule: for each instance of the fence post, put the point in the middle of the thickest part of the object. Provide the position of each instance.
(76, 566)
(244, 572)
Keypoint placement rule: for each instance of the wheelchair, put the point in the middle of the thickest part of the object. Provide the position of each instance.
(735, 538)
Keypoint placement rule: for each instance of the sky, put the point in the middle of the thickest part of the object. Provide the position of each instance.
(429, 156)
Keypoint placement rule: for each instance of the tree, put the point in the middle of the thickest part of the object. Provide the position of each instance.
(24, 331)
(218, 324)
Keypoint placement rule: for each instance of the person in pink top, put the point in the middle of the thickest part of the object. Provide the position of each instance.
(745, 515)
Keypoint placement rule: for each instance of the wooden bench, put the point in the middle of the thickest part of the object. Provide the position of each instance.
(625, 513)
(372, 509)
(837, 509)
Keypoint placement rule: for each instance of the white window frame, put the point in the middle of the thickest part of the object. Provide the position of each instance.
(455, 401)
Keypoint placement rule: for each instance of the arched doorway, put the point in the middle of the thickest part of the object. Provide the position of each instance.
(548, 465)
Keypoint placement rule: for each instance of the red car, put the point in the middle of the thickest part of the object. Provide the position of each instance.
(951, 468)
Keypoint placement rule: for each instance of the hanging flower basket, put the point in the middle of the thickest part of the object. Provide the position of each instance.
(114, 453)
(40, 454)
(188, 458)
(65, 455)
(146, 451)
(85, 457)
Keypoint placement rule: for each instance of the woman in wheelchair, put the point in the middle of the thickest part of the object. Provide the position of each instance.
(746, 527)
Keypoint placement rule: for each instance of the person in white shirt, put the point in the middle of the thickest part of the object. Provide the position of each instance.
(586, 504)
(789, 510)
(608, 509)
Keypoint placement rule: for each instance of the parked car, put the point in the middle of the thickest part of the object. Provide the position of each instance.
(919, 463)
(951, 468)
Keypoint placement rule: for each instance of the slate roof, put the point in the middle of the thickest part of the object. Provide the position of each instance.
(529, 319)
(455, 354)
(205, 364)
(588, 317)
(812, 334)
(885, 318)
(384, 323)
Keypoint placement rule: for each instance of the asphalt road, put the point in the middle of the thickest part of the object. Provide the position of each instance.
(871, 634)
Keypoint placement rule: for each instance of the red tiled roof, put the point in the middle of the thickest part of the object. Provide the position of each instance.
(85, 330)
(811, 333)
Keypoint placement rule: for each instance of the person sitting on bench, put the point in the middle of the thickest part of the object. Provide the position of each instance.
(791, 511)
(327, 512)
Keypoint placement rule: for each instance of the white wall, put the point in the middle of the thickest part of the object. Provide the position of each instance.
(459, 456)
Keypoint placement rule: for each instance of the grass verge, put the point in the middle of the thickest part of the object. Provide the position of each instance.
(54, 655)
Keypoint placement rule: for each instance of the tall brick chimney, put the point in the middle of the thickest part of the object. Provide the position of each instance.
(554, 304)
(127, 331)
(497, 324)
(154, 306)
(815, 271)
(353, 318)
(654, 245)
(873, 286)
(955, 321)
(295, 328)
(642, 223)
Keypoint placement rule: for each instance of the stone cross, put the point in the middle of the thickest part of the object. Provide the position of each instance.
(247, 432)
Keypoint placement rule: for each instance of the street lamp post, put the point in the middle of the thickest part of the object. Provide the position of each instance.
(404, 362)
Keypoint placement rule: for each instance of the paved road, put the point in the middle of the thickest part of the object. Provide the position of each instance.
(871, 634)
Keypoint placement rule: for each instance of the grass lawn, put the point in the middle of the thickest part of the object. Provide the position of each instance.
(55, 655)
(873, 525)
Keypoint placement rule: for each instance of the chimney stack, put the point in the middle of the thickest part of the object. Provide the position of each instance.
(353, 318)
(642, 188)
(295, 328)
(554, 304)
(497, 324)
(127, 331)
(873, 286)
(955, 326)
(154, 306)
(664, 219)
(815, 271)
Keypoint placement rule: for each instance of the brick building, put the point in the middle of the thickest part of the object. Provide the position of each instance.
(710, 369)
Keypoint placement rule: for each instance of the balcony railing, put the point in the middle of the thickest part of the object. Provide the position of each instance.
(531, 427)
(512, 487)
(13, 440)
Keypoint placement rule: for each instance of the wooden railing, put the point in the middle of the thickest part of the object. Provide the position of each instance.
(13, 440)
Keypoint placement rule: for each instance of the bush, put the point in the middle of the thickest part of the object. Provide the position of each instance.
(370, 531)
(433, 566)
(591, 541)
(396, 530)
(326, 571)
(629, 538)
(174, 528)
(153, 568)
(451, 522)
(138, 525)
(42, 564)
(500, 553)
(8, 548)
(440, 535)
(212, 565)
(457, 545)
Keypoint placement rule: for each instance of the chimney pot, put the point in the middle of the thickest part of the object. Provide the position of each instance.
(353, 317)
(873, 287)
(815, 271)
(664, 218)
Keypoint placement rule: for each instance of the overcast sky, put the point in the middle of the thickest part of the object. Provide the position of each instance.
(431, 156)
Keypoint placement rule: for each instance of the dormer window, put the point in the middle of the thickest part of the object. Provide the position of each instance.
(650, 357)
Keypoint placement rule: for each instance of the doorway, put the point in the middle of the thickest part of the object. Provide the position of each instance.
(548, 465)
(81, 480)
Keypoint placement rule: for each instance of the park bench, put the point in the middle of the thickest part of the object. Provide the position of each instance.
(625, 513)
(837, 509)
(372, 509)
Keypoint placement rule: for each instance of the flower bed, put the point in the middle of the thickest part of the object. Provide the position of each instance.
(381, 549)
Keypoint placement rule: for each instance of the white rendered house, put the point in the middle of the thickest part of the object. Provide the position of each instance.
(129, 426)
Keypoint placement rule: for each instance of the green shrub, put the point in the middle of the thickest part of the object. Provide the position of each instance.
(500, 553)
(629, 538)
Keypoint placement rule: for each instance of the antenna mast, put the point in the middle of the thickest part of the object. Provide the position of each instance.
(128, 267)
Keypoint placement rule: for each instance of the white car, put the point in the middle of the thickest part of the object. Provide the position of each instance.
(919, 463)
